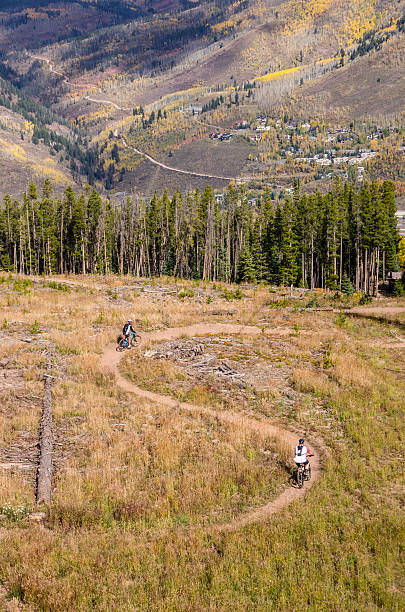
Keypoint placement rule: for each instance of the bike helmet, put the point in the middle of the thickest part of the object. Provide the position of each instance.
(301, 440)
(130, 321)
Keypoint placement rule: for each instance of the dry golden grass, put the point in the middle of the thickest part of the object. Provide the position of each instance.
(131, 476)
(103, 465)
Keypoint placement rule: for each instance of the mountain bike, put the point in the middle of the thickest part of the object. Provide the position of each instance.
(302, 474)
(128, 342)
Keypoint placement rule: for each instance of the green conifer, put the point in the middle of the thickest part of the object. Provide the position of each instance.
(347, 286)
(246, 267)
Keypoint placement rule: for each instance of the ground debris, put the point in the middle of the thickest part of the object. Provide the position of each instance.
(192, 355)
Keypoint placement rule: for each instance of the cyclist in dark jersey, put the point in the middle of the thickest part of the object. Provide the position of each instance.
(127, 330)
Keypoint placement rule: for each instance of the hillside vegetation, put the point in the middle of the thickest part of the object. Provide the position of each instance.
(347, 237)
(225, 174)
(141, 492)
(114, 66)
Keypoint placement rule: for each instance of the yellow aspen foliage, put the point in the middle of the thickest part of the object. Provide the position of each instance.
(28, 126)
(401, 253)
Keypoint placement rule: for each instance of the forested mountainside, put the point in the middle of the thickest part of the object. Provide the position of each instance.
(126, 96)
(346, 236)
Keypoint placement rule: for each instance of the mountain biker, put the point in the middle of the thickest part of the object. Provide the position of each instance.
(127, 330)
(301, 454)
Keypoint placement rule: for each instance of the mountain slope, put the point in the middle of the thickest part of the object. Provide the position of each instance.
(371, 85)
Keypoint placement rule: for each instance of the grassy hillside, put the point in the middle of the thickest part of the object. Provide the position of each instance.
(139, 487)
(369, 85)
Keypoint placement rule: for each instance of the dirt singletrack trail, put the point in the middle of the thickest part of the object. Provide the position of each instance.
(110, 361)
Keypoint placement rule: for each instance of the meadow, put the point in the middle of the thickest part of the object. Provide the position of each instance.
(142, 491)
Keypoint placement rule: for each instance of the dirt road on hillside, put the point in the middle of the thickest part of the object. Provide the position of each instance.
(79, 85)
(110, 361)
(179, 170)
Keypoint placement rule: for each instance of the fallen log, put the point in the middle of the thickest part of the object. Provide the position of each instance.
(44, 473)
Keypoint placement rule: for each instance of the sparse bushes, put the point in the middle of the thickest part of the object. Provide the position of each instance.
(365, 299)
(22, 285)
(279, 304)
(230, 295)
(35, 328)
(399, 289)
(185, 293)
(59, 286)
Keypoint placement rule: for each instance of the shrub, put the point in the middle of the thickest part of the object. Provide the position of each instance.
(399, 289)
(341, 319)
(284, 303)
(327, 361)
(36, 328)
(365, 299)
(230, 295)
(313, 302)
(100, 318)
(59, 286)
(22, 285)
(347, 286)
(185, 293)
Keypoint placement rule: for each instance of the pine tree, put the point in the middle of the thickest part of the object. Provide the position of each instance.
(246, 267)
(347, 286)
(286, 238)
(388, 202)
(308, 239)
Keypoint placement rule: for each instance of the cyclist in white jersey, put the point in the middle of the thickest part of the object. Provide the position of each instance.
(301, 453)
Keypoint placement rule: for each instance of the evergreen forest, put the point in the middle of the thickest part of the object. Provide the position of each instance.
(346, 236)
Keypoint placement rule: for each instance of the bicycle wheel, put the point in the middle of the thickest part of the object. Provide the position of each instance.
(300, 478)
(121, 346)
(135, 340)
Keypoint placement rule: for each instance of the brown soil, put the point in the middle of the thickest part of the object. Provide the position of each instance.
(111, 358)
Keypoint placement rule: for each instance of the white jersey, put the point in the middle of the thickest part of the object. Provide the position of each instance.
(300, 454)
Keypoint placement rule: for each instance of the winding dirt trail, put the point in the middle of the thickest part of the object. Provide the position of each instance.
(121, 108)
(110, 361)
(180, 171)
(79, 85)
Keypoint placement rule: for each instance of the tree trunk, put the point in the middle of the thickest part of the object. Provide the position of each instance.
(312, 262)
(377, 272)
(383, 270)
(29, 242)
(44, 474)
(83, 257)
(61, 243)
